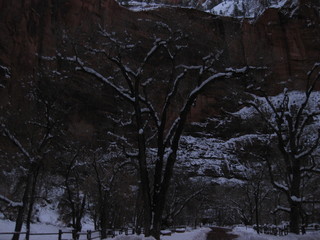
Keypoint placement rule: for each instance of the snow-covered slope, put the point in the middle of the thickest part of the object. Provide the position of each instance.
(244, 8)
(212, 158)
(217, 161)
(235, 8)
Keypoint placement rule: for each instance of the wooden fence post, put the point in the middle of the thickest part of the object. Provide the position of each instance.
(28, 234)
(74, 234)
(60, 235)
(89, 235)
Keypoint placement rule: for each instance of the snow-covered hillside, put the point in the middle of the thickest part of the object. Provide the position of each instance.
(243, 8)
(235, 8)
(215, 159)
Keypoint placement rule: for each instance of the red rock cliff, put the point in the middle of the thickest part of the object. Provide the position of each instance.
(287, 40)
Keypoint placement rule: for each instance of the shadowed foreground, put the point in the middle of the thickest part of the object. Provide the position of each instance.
(220, 234)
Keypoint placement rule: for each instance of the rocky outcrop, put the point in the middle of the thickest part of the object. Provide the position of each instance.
(286, 40)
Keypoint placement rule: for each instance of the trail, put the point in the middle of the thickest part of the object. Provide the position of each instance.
(220, 234)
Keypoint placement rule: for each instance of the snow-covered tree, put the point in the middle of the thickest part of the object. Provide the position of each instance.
(159, 87)
(30, 137)
(293, 118)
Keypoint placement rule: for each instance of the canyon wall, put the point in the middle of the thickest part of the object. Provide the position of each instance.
(286, 40)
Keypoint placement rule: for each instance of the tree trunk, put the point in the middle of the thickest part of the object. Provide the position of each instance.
(295, 204)
(19, 222)
(32, 199)
(103, 221)
(256, 200)
(21, 211)
(158, 208)
(156, 221)
(143, 166)
(139, 212)
(79, 214)
(294, 217)
(257, 216)
(147, 220)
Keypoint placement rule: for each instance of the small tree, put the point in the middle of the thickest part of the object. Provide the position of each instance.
(106, 168)
(254, 193)
(74, 202)
(182, 192)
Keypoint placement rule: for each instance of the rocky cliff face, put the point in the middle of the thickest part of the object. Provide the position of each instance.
(285, 40)
(30, 27)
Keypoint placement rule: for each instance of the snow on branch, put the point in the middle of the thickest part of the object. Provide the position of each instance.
(16, 142)
(189, 67)
(156, 46)
(310, 150)
(175, 86)
(171, 131)
(311, 169)
(130, 154)
(170, 95)
(9, 202)
(281, 187)
(309, 74)
(126, 71)
(121, 91)
(48, 58)
(229, 73)
(119, 138)
(281, 208)
(296, 199)
(150, 109)
(109, 36)
(119, 121)
(6, 71)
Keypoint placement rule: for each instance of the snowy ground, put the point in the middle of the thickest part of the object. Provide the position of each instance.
(250, 234)
(8, 226)
(198, 234)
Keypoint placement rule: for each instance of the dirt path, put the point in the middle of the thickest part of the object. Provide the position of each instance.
(220, 234)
